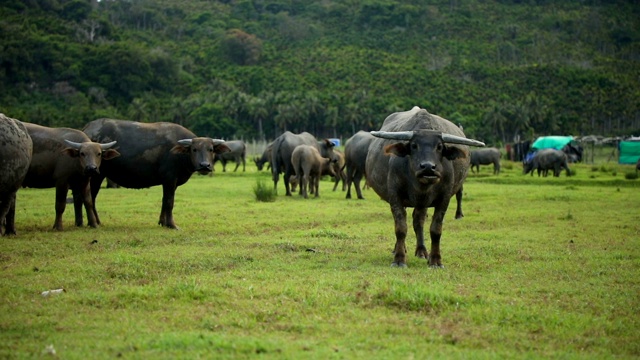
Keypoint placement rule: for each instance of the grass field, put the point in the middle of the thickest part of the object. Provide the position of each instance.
(538, 268)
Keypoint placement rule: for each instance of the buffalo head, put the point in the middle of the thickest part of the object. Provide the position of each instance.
(91, 154)
(426, 149)
(202, 151)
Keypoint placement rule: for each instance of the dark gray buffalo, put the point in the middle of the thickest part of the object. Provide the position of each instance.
(64, 159)
(545, 160)
(237, 154)
(486, 157)
(355, 153)
(338, 170)
(264, 158)
(153, 154)
(308, 165)
(15, 156)
(282, 149)
(420, 161)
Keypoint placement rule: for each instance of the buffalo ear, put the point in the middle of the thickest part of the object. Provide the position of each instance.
(397, 149)
(180, 149)
(110, 154)
(70, 152)
(221, 148)
(453, 152)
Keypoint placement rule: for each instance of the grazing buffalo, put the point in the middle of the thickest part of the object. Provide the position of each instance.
(545, 160)
(265, 158)
(237, 154)
(338, 170)
(153, 154)
(486, 157)
(420, 160)
(308, 165)
(355, 152)
(15, 156)
(282, 149)
(66, 159)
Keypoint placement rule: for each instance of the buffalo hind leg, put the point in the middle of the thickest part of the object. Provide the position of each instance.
(7, 214)
(419, 217)
(61, 204)
(459, 214)
(166, 214)
(400, 250)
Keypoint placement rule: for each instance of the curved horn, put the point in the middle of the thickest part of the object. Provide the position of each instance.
(453, 139)
(185, 142)
(217, 142)
(107, 145)
(395, 135)
(74, 145)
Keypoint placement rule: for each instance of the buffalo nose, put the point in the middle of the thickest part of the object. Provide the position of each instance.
(205, 165)
(91, 170)
(428, 165)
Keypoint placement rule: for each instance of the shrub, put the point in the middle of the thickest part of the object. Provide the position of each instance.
(631, 175)
(264, 192)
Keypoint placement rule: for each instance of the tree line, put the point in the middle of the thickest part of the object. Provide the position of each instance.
(252, 69)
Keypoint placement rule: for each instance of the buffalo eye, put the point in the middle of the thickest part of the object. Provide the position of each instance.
(439, 147)
(194, 150)
(414, 146)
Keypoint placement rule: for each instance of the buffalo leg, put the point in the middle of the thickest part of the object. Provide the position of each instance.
(400, 250)
(316, 184)
(435, 260)
(61, 204)
(85, 195)
(7, 214)
(166, 214)
(459, 214)
(96, 183)
(77, 206)
(349, 181)
(419, 216)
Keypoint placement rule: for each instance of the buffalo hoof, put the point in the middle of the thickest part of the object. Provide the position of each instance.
(399, 265)
(437, 266)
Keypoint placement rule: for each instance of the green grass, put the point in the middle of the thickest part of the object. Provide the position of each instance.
(538, 268)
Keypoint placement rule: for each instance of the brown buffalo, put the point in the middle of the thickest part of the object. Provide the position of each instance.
(308, 165)
(64, 159)
(15, 156)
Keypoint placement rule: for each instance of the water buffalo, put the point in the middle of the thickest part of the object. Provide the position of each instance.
(308, 165)
(237, 154)
(420, 160)
(355, 152)
(15, 156)
(282, 149)
(66, 159)
(338, 170)
(545, 160)
(153, 154)
(486, 157)
(264, 158)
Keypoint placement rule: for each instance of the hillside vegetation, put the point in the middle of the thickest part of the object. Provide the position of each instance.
(254, 68)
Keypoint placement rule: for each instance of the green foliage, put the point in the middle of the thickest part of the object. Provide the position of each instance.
(631, 175)
(501, 68)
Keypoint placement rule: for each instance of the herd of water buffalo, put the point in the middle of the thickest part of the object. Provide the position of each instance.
(416, 159)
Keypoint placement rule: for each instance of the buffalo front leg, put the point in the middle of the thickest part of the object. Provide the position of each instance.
(95, 184)
(92, 218)
(77, 205)
(7, 214)
(419, 217)
(435, 259)
(400, 250)
(166, 214)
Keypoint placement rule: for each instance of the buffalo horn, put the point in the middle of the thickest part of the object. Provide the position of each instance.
(453, 139)
(394, 135)
(107, 145)
(185, 142)
(217, 142)
(73, 145)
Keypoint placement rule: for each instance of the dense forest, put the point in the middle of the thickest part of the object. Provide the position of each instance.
(252, 69)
